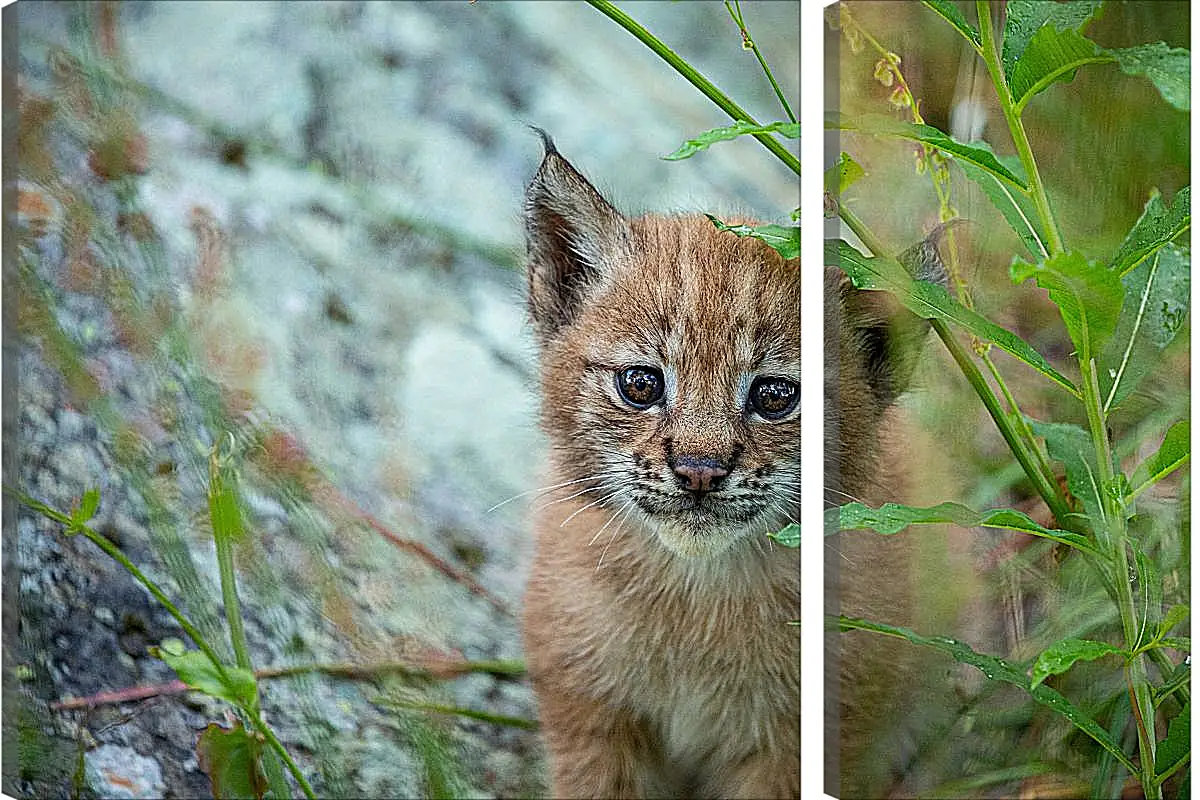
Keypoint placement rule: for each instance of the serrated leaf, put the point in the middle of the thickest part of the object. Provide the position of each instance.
(1024, 19)
(230, 758)
(930, 301)
(1088, 296)
(783, 239)
(1061, 656)
(891, 518)
(1015, 206)
(1158, 225)
(1154, 308)
(1072, 445)
(1172, 454)
(1175, 749)
(196, 670)
(997, 669)
(879, 125)
(789, 536)
(1168, 68)
(949, 12)
(791, 130)
(842, 174)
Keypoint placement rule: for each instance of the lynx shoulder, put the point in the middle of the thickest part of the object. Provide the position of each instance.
(656, 623)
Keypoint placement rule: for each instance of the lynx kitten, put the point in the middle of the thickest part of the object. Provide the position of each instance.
(657, 611)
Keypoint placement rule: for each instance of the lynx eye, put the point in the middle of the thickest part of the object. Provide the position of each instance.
(773, 398)
(641, 387)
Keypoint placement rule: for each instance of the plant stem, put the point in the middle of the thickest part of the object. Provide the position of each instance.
(269, 735)
(1022, 425)
(735, 11)
(1037, 190)
(705, 86)
(1114, 535)
(1045, 487)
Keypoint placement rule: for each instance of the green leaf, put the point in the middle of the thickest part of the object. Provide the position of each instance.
(1175, 615)
(1179, 678)
(1072, 445)
(1172, 453)
(845, 172)
(1015, 206)
(879, 125)
(1088, 296)
(930, 301)
(999, 670)
(949, 12)
(892, 518)
(1050, 57)
(1175, 749)
(1061, 656)
(230, 758)
(783, 239)
(791, 130)
(788, 536)
(1155, 306)
(1149, 594)
(198, 671)
(87, 507)
(1158, 225)
(1183, 643)
(1025, 18)
(224, 509)
(1168, 68)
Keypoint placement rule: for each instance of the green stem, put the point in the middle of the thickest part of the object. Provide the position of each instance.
(1114, 535)
(115, 553)
(748, 41)
(1046, 488)
(705, 86)
(1012, 116)
(1022, 425)
(269, 735)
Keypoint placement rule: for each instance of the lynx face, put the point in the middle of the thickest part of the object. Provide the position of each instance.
(670, 364)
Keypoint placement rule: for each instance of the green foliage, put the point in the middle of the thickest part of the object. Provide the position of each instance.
(891, 518)
(789, 536)
(1062, 655)
(230, 758)
(842, 174)
(1121, 312)
(791, 130)
(782, 239)
(930, 301)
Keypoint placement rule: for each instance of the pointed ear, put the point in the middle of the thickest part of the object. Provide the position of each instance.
(889, 336)
(572, 235)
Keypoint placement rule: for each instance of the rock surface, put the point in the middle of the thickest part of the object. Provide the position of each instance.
(361, 167)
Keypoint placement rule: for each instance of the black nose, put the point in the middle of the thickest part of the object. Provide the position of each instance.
(699, 474)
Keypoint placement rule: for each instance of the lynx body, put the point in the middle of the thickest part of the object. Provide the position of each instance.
(656, 622)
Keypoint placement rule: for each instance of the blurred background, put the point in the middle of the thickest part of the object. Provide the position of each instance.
(293, 230)
(1103, 142)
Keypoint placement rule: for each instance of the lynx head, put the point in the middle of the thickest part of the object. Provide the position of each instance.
(670, 364)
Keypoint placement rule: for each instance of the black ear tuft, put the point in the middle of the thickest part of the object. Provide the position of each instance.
(889, 336)
(573, 236)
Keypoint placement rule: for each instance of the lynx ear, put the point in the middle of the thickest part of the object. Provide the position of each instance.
(889, 336)
(572, 235)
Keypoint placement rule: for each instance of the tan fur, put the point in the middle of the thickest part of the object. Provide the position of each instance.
(656, 632)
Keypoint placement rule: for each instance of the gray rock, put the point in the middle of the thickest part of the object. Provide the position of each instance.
(123, 774)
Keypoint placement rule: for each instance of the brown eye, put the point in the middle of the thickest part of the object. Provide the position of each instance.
(641, 387)
(773, 398)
